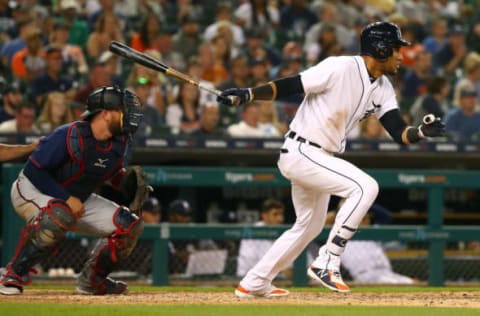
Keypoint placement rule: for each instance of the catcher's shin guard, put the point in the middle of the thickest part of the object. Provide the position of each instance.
(37, 241)
(93, 278)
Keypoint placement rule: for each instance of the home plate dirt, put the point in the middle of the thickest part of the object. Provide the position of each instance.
(439, 299)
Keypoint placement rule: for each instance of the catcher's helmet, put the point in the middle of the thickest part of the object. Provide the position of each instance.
(378, 40)
(113, 98)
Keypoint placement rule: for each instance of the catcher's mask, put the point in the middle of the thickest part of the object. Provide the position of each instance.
(378, 40)
(113, 98)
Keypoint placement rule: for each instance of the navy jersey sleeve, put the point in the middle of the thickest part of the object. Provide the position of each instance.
(50, 154)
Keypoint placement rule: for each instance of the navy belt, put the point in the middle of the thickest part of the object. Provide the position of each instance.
(293, 135)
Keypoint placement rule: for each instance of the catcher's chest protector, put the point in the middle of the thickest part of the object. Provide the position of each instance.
(91, 162)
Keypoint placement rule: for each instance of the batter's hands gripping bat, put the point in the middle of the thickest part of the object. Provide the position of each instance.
(152, 63)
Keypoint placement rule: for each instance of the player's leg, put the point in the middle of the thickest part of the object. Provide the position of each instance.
(119, 230)
(48, 219)
(341, 178)
(310, 208)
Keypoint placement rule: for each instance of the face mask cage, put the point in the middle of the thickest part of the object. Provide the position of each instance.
(132, 112)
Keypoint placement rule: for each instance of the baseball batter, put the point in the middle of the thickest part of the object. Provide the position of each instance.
(339, 92)
(54, 193)
(10, 152)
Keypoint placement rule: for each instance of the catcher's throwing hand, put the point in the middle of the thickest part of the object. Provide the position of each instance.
(135, 188)
(432, 126)
(235, 96)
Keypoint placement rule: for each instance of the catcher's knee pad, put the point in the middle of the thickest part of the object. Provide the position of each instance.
(51, 224)
(129, 228)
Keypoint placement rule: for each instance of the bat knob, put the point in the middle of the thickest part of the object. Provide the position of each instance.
(428, 119)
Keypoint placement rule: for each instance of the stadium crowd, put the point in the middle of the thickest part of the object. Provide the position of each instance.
(54, 53)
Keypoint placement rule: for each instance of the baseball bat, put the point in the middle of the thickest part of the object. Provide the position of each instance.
(152, 63)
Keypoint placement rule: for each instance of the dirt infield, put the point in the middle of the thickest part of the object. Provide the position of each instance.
(438, 299)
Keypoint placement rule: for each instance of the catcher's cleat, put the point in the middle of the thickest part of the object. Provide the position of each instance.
(331, 279)
(107, 287)
(271, 291)
(11, 284)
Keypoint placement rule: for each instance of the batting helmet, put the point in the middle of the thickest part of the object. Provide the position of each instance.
(378, 40)
(113, 98)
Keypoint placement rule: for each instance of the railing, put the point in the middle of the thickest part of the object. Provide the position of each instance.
(434, 233)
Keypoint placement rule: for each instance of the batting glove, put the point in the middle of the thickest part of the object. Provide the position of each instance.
(432, 127)
(235, 96)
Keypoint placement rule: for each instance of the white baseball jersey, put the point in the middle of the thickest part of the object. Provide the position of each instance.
(338, 94)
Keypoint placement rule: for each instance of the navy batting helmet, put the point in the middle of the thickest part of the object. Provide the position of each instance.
(378, 40)
(113, 98)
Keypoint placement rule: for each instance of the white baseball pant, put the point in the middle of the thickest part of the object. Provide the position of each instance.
(315, 175)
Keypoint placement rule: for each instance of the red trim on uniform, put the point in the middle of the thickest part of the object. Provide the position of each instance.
(36, 163)
(24, 198)
(81, 162)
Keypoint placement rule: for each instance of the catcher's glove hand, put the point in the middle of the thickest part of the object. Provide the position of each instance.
(135, 188)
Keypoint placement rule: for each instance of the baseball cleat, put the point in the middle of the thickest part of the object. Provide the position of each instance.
(271, 291)
(107, 287)
(10, 289)
(331, 279)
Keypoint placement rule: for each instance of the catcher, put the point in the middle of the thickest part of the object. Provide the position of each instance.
(55, 193)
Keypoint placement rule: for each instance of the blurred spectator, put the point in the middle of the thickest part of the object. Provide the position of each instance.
(250, 125)
(414, 80)
(239, 75)
(52, 79)
(435, 101)
(326, 45)
(151, 211)
(353, 48)
(255, 48)
(180, 212)
(328, 16)
(296, 19)
(223, 19)
(470, 78)
(98, 77)
(259, 70)
(14, 45)
(366, 260)
(159, 92)
(409, 53)
(111, 63)
(221, 57)
(107, 7)
(269, 116)
(372, 129)
(258, 14)
(11, 97)
(451, 55)
(56, 111)
(74, 60)
(147, 36)
(182, 116)
(439, 29)
(79, 32)
(23, 120)
(107, 29)
(252, 250)
(209, 118)
(152, 118)
(463, 123)
(473, 36)
(187, 39)
(29, 62)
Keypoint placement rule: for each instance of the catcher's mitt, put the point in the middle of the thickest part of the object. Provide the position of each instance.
(135, 188)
